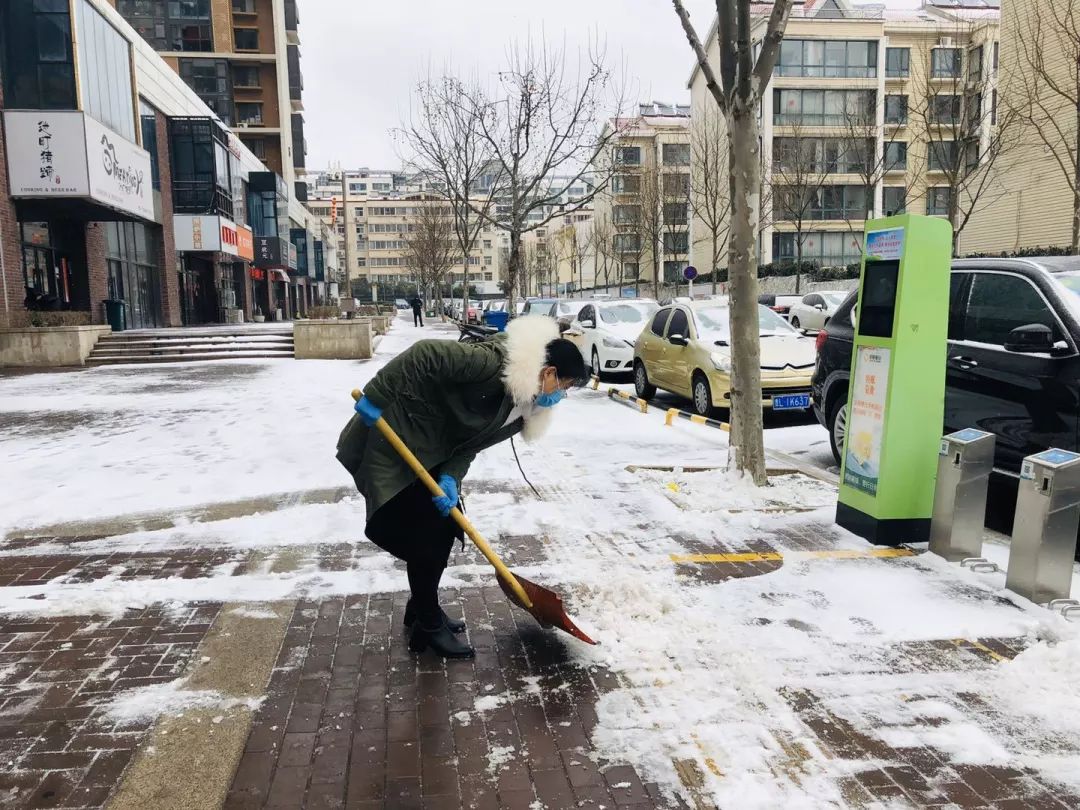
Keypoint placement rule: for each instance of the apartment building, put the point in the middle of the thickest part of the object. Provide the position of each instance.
(560, 257)
(1034, 204)
(869, 112)
(242, 57)
(641, 222)
(118, 182)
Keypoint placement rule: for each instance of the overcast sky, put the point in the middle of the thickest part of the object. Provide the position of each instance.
(361, 58)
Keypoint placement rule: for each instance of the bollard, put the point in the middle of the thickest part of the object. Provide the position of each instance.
(675, 413)
(964, 465)
(1044, 527)
(642, 404)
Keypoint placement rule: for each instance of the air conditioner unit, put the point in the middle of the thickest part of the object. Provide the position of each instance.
(946, 42)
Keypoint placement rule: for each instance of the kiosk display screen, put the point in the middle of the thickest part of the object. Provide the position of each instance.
(877, 309)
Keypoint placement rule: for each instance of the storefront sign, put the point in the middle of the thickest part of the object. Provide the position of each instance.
(293, 262)
(245, 243)
(66, 153)
(210, 234)
(869, 392)
(270, 252)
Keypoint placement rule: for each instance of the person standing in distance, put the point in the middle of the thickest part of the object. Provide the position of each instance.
(417, 310)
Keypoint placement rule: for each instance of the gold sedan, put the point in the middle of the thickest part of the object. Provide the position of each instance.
(686, 349)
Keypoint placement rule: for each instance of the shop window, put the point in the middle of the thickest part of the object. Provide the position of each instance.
(38, 62)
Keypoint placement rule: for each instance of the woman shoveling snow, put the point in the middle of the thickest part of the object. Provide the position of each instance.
(448, 401)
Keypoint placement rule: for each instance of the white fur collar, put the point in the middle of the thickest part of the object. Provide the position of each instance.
(526, 352)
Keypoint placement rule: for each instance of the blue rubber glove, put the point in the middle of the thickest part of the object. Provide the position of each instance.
(368, 412)
(444, 503)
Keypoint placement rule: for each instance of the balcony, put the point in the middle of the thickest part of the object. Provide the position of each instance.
(292, 23)
(299, 148)
(296, 79)
(199, 152)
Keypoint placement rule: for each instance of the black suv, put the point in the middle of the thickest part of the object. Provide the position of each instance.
(1012, 365)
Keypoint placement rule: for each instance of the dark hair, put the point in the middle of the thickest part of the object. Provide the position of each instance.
(567, 360)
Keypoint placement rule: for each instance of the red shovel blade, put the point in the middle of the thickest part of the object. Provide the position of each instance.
(547, 607)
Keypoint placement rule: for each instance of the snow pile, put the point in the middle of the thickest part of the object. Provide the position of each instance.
(170, 698)
(724, 490)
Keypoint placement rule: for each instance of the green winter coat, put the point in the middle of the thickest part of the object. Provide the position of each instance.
(447, 401)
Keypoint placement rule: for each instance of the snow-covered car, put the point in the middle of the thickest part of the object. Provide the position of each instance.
(780, 304)
(816, 309)
(607, 331)
(401, 303)
(686, 350)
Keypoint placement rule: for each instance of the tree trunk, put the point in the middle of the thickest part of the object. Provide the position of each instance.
(715, 260)
(747, 452)
(513, 267)
(1076, 223)
(798, 262)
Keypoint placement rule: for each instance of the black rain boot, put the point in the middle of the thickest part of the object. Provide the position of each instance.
(455, 625)
(440, 640)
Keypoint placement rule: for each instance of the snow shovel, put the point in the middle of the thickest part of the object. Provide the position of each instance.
(545, 605)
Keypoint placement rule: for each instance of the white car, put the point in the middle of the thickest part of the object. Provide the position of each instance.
(815, 309)
(605, 332)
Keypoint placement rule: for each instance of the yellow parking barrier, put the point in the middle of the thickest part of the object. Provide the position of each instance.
(642, 404)
(594, 382)
(672, 413)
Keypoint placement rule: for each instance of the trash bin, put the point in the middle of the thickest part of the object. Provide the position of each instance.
(497, 319)
(115, 313)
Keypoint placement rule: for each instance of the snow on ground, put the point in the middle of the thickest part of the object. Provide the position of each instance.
(706, 665)
(170, 698)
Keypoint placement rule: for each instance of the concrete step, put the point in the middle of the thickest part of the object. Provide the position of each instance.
(269, 340)
(164, 335)
(102, 359)
(185, 348)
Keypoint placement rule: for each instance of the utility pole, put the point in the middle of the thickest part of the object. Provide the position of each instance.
(348, 244)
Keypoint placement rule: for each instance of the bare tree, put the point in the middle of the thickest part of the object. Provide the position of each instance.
(449, 150)
(953, 106)
(799, 184)
(710, 186)
(429, 244)
(1044, 92)
(650, 223)
(542, 127)
(737, 92)
(604, 257)
(628, 242)
(675, 217)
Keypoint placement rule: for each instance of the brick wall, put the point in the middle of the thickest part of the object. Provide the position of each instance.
(170, 288)
(221, 24)
(11, 301)
(97, 270)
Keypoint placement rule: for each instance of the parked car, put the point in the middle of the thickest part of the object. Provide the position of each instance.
(607, 331)
(813, 311)
(401, 303)
(780, 304)
(687, 350)
(1012, 367)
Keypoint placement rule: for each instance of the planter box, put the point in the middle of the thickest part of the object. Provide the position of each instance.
(47, 346)
(380, 324)
(332, 340)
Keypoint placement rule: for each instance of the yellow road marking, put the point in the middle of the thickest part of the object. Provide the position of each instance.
(774, 556)
(960, 642)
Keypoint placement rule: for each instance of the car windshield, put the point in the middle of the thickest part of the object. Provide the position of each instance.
(627, 313)
(1071, 282)
(714, 323)
(836, 299)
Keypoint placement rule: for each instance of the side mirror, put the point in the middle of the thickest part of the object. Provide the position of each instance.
(588, 324)
(819, 307)
(678, 340)
(1030, 339)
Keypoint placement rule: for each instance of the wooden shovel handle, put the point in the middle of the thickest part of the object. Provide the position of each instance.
(458, 516)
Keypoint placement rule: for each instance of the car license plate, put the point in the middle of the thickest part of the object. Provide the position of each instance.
(791, 402)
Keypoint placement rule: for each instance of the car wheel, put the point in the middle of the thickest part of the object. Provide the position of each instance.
(795, 322)
(642, 386)
(837, 423)
(702, 395)
(595, 363)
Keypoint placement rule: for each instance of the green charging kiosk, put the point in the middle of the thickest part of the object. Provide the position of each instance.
(896, 398)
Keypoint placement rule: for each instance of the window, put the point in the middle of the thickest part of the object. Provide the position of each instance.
(676, 242)
(246, 39)
(380, 186)
(487, 260)
(189, 9)
(243, 6)
(827, 202)
(993, 108)
(659, 321)
(257, 146)
(824, 155)
(823, 248)
(975, 64)
(626, 183)
(995, 59)
(833, 58)
(895, 156)
(356, 188)
(937, 201)
(974, 113)
(821, 107)
(625, 214)
(249, 112)
(210, 79)
(201, 180)
(246, 76)
(676, 185)
(942, 156)
(148, 126)
(945, 63)
(626, 242)
(894, 200)
(676, 154)
(897, 62)
(104, 70)
(628, 155)
(1000, 302)
(630, 270)
(673, 272)
(896, 109)
(679, 324)
(676, 213)
(133, 273)
(945, 109)
(189, 37)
